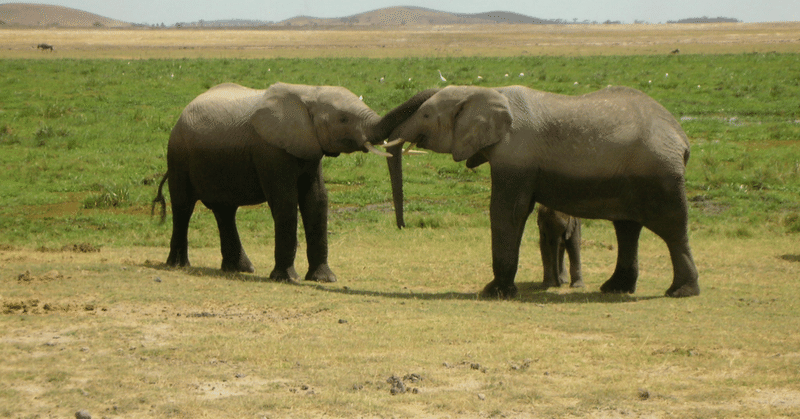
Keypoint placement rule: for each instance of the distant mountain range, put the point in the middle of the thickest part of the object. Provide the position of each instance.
(38, 15)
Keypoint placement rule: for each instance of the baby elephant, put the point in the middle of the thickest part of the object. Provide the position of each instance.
(559, 232)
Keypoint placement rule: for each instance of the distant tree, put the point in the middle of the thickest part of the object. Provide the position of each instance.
(706, 19)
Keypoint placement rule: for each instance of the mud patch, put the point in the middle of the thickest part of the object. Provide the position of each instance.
(46, 277)
(34, 306)
(75, 248)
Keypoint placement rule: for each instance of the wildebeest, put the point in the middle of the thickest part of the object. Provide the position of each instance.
(45, 47)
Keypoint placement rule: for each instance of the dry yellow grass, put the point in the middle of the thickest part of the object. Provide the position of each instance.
(117, 334)
(467, 40)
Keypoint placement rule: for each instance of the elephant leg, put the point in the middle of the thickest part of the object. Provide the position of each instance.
(314, 210)
(671, 223)
(573, 246)
(685, 277)
(627, 271)
(562, 263)
(511, 204)
(284, 214)
(234, 259)
(179, 243)
(547, 248)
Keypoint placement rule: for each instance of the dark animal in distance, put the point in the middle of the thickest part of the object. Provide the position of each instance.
(45, 47)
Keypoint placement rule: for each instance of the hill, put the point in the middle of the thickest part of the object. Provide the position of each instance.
(27, 14)
(413, 16)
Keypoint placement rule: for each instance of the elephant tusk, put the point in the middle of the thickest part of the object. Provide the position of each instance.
(415, 152)
(393, 143)
(371, 148)
(408, 150)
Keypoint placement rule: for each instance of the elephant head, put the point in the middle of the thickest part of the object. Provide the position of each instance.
(459, 120)
(312, 121)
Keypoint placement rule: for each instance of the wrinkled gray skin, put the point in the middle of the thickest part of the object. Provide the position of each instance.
(559, 233)
(235, 146)
(614, 154)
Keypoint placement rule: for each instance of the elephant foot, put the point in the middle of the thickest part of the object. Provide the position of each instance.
(241, 265)
(322, 273)
(238, 267)
(497, 290)
(284, 275)
(685, 290)
(177, 259)
(619, 284)
(577, 284)
(551, 284)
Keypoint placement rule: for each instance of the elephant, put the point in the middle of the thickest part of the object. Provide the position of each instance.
(613, 154)
(559, 233)
(235, 146)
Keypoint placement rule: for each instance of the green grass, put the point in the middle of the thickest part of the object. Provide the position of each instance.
(95, 132)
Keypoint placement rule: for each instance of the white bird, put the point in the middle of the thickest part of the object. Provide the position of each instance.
(506, 74)
(441, 77)
(382, 79)
(480, 78)
(361, 98)
(522, 74)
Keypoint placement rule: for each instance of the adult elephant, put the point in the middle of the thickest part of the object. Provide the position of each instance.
(614, 154)
(559, 233)
(235, 146)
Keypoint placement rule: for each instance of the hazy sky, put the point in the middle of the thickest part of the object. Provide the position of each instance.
(652, 11)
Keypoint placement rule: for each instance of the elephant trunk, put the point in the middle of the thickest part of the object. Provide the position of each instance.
(395, 163)
(383, 130)
(398, 115)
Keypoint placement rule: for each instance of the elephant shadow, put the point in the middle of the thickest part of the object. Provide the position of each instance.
(207, 272)
(529, 292)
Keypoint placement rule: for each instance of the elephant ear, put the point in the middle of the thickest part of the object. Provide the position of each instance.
(482, 119)
(284, 121)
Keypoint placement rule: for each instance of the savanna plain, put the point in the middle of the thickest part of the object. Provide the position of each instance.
(92, 318)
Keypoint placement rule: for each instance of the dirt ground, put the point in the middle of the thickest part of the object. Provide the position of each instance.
(468, 40)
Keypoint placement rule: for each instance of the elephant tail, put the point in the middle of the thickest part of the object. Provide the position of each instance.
(160, 199)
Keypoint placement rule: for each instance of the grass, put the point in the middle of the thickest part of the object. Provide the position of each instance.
(115, 332)
(87, 132)
(123, 336)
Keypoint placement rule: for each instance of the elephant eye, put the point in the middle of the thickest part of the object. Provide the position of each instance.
(343, 119)
(425, 115)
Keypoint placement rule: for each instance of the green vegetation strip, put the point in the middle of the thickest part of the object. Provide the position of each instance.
(83, 141)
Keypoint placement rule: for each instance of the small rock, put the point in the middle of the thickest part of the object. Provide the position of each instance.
(481, 396)
(644, 394)
(414, 378)
(398, 387)
(83, 414)
(158, 279)
(342, 321)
